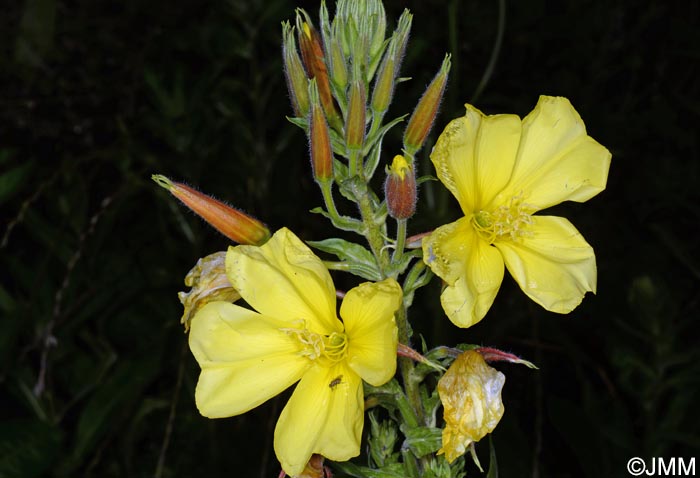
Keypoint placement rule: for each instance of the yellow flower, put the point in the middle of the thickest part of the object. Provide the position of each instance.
(470, 392)
(294, 335)
(502, 170)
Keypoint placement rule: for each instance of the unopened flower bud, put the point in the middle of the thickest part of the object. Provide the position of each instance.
(297, 82)
(400, 189)
(312, 56)
(208, 282)
(339, 67)
(470, 392)
(232, 223)
(319, 139)
(355, 119)
(423, 116)
(390, 65)
(363, 24)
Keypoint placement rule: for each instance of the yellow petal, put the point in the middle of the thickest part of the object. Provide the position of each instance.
(324, 416)
(368, 313)
(474, 156)
(555, 266)
(245, 359)
(284, 279)
(557, 160)
(470, 267)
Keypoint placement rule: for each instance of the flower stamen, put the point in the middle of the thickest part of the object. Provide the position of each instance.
(329, 348)
(509, 221)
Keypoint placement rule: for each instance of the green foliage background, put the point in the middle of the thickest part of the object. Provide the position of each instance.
(95, 96)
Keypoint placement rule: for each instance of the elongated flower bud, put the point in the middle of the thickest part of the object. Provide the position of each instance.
(339, 67)
(355, 119)
(232, 223)
(470, 392)
(400, 189)
(423, 116)
(319, 138)
(313, 57)
(390, 65)
(297, 82)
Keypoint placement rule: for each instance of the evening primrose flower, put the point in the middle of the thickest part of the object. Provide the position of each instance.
(502, 170)
(470, 392)
(248, 356)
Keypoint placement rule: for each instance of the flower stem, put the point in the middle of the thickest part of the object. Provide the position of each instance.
(406, 367)
(343, 222)
(400, 240)
(373, 231)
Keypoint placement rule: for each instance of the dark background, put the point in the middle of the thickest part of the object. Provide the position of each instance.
(95, 96)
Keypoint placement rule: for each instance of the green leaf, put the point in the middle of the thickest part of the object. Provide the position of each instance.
(28, 447)
(369, 144)
(359, 260)
(493, 463)
(395, 470)
(300, 122)
(423, 440)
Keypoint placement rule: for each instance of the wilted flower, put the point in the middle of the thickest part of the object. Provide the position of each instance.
(502, 170)
(248, 356)
(208, 283)
(470, 392)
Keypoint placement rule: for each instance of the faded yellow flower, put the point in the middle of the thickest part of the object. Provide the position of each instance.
(208, 283)
(470, 392)
(503, 170)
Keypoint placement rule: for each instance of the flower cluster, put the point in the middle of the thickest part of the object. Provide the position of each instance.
(502, 170)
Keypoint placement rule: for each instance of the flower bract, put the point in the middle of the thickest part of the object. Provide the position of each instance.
(294, 334)
(502, 170)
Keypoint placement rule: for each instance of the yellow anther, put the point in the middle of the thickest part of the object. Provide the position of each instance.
(329, 348)
(509, 221)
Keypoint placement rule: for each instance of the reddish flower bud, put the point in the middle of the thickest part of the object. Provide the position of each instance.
(319, 139)
(230, 222)
(313, 57)
(400, 189)
(423, 116)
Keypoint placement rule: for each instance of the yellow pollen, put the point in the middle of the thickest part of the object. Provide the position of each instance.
(330, 349)
(509, 221)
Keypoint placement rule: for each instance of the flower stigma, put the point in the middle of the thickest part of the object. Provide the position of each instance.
(508, 221)
(329, 349)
